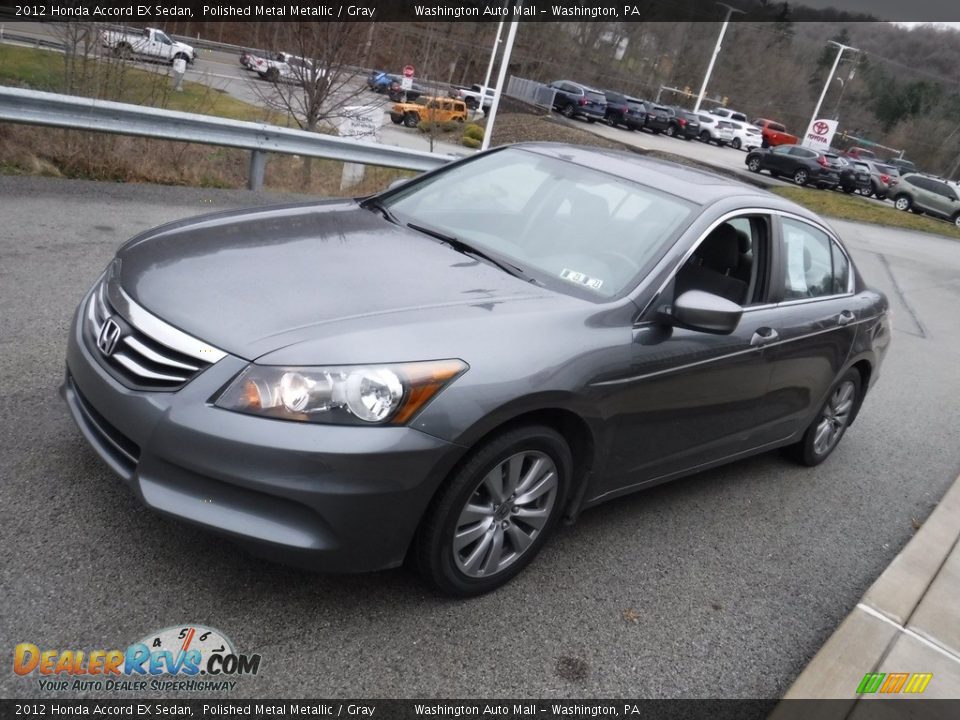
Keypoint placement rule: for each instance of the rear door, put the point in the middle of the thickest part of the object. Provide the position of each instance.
(816, 325)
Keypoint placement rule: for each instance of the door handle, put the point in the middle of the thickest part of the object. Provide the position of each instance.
(763, 336)
(845, 318)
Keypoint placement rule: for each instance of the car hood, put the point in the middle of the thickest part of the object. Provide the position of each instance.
(183, 46)
(252, 282)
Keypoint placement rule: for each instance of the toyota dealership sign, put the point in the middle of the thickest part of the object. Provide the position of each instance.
(819, 134)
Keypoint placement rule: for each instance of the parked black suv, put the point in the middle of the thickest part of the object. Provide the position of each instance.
(623, 110)
(854, 176)
(685, 124)
(800, 164)
(573, 100)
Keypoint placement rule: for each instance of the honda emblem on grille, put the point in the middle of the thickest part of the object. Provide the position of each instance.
(109, 337)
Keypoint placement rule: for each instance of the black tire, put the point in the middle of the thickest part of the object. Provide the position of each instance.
(916, 211)
(705, 137)
(671, 131)
(880, 196)
(123, 51)
(568, 110)
(610, 120)
(736, 144)
(801, 176)
(396, 120)
(956, 219)
(433, 550)
(272, 75)
(753, 164)
(411, 120)
(902, 202)
(180, 56)
(805, 452)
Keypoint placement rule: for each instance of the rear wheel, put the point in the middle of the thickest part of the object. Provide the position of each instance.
(956, 220)
(568, 110)
(123, 51)
(671, 131)
(800, 176)
(495, 512)
(736, 144)
(610, 120)
(411, 119)
(272, 75)
(902, 202)
(824, 433)
(705, 137)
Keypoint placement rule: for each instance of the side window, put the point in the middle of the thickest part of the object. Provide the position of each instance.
(841, 270)
(783, 150)
(945, 190)
(813, 267)
(730, 262)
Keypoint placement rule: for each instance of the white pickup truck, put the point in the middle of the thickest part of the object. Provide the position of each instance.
(475, 94)
(151, 43)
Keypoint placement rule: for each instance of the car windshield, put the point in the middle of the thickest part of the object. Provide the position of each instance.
(569, 227)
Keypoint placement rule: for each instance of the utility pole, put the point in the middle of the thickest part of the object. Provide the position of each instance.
(716, 51)
(833, 70)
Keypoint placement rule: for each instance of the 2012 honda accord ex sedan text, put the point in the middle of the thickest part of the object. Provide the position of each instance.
(444, 371)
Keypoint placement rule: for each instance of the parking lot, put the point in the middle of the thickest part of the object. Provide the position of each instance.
(720, 585)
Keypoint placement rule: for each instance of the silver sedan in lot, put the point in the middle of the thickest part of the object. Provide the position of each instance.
(446, 370)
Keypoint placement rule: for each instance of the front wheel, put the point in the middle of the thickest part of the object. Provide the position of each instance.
(753, 164)
(671, 131)
(824, 433)
(495, 512)
(411, 120)
(801, 176)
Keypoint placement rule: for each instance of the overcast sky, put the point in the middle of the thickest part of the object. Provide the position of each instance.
(904, 10)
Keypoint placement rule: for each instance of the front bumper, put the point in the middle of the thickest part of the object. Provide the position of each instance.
(331, 498)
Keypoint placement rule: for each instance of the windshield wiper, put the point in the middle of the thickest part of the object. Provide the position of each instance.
(376, 203)
(468, 249)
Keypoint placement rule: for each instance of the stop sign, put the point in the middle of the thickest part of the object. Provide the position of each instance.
(408, 71)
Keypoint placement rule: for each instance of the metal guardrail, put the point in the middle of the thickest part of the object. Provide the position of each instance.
(32, 107)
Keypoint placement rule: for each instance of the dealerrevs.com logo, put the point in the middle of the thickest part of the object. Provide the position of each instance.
(181, 658)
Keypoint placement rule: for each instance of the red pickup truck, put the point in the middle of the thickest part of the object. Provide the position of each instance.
(774, 133)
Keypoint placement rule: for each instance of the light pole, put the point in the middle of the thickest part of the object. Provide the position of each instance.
(833, 70)
(716, 51)
(501, 76)
(493, 56)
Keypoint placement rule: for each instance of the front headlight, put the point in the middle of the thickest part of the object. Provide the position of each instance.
(346, 395)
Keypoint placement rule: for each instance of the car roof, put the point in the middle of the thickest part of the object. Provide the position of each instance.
(695, 185)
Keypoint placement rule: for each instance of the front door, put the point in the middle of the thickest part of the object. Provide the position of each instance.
(692, 398)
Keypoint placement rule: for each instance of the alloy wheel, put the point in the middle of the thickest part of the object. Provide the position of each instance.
(834, 418)
(800, 177)
(504, 514)
(902, 203)
(754, 165)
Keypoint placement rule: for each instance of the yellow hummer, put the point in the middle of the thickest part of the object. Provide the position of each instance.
(431, 109)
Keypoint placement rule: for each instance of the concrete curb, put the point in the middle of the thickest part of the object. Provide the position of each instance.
(908, 621)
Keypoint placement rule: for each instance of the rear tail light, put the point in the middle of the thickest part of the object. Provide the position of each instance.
(681, 122)
(823, 161)
(626, 110)
(582, 101)
(885, 179)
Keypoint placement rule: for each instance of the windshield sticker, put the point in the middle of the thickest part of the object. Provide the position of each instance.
(581, 278)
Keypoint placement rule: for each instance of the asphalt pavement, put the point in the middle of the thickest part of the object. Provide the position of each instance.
(720, 585)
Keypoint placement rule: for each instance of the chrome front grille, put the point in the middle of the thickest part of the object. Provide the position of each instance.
(138, 348)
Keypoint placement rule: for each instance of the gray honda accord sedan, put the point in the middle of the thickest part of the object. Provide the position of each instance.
(444, 371)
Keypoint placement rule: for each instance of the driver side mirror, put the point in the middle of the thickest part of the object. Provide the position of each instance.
(704, 312)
